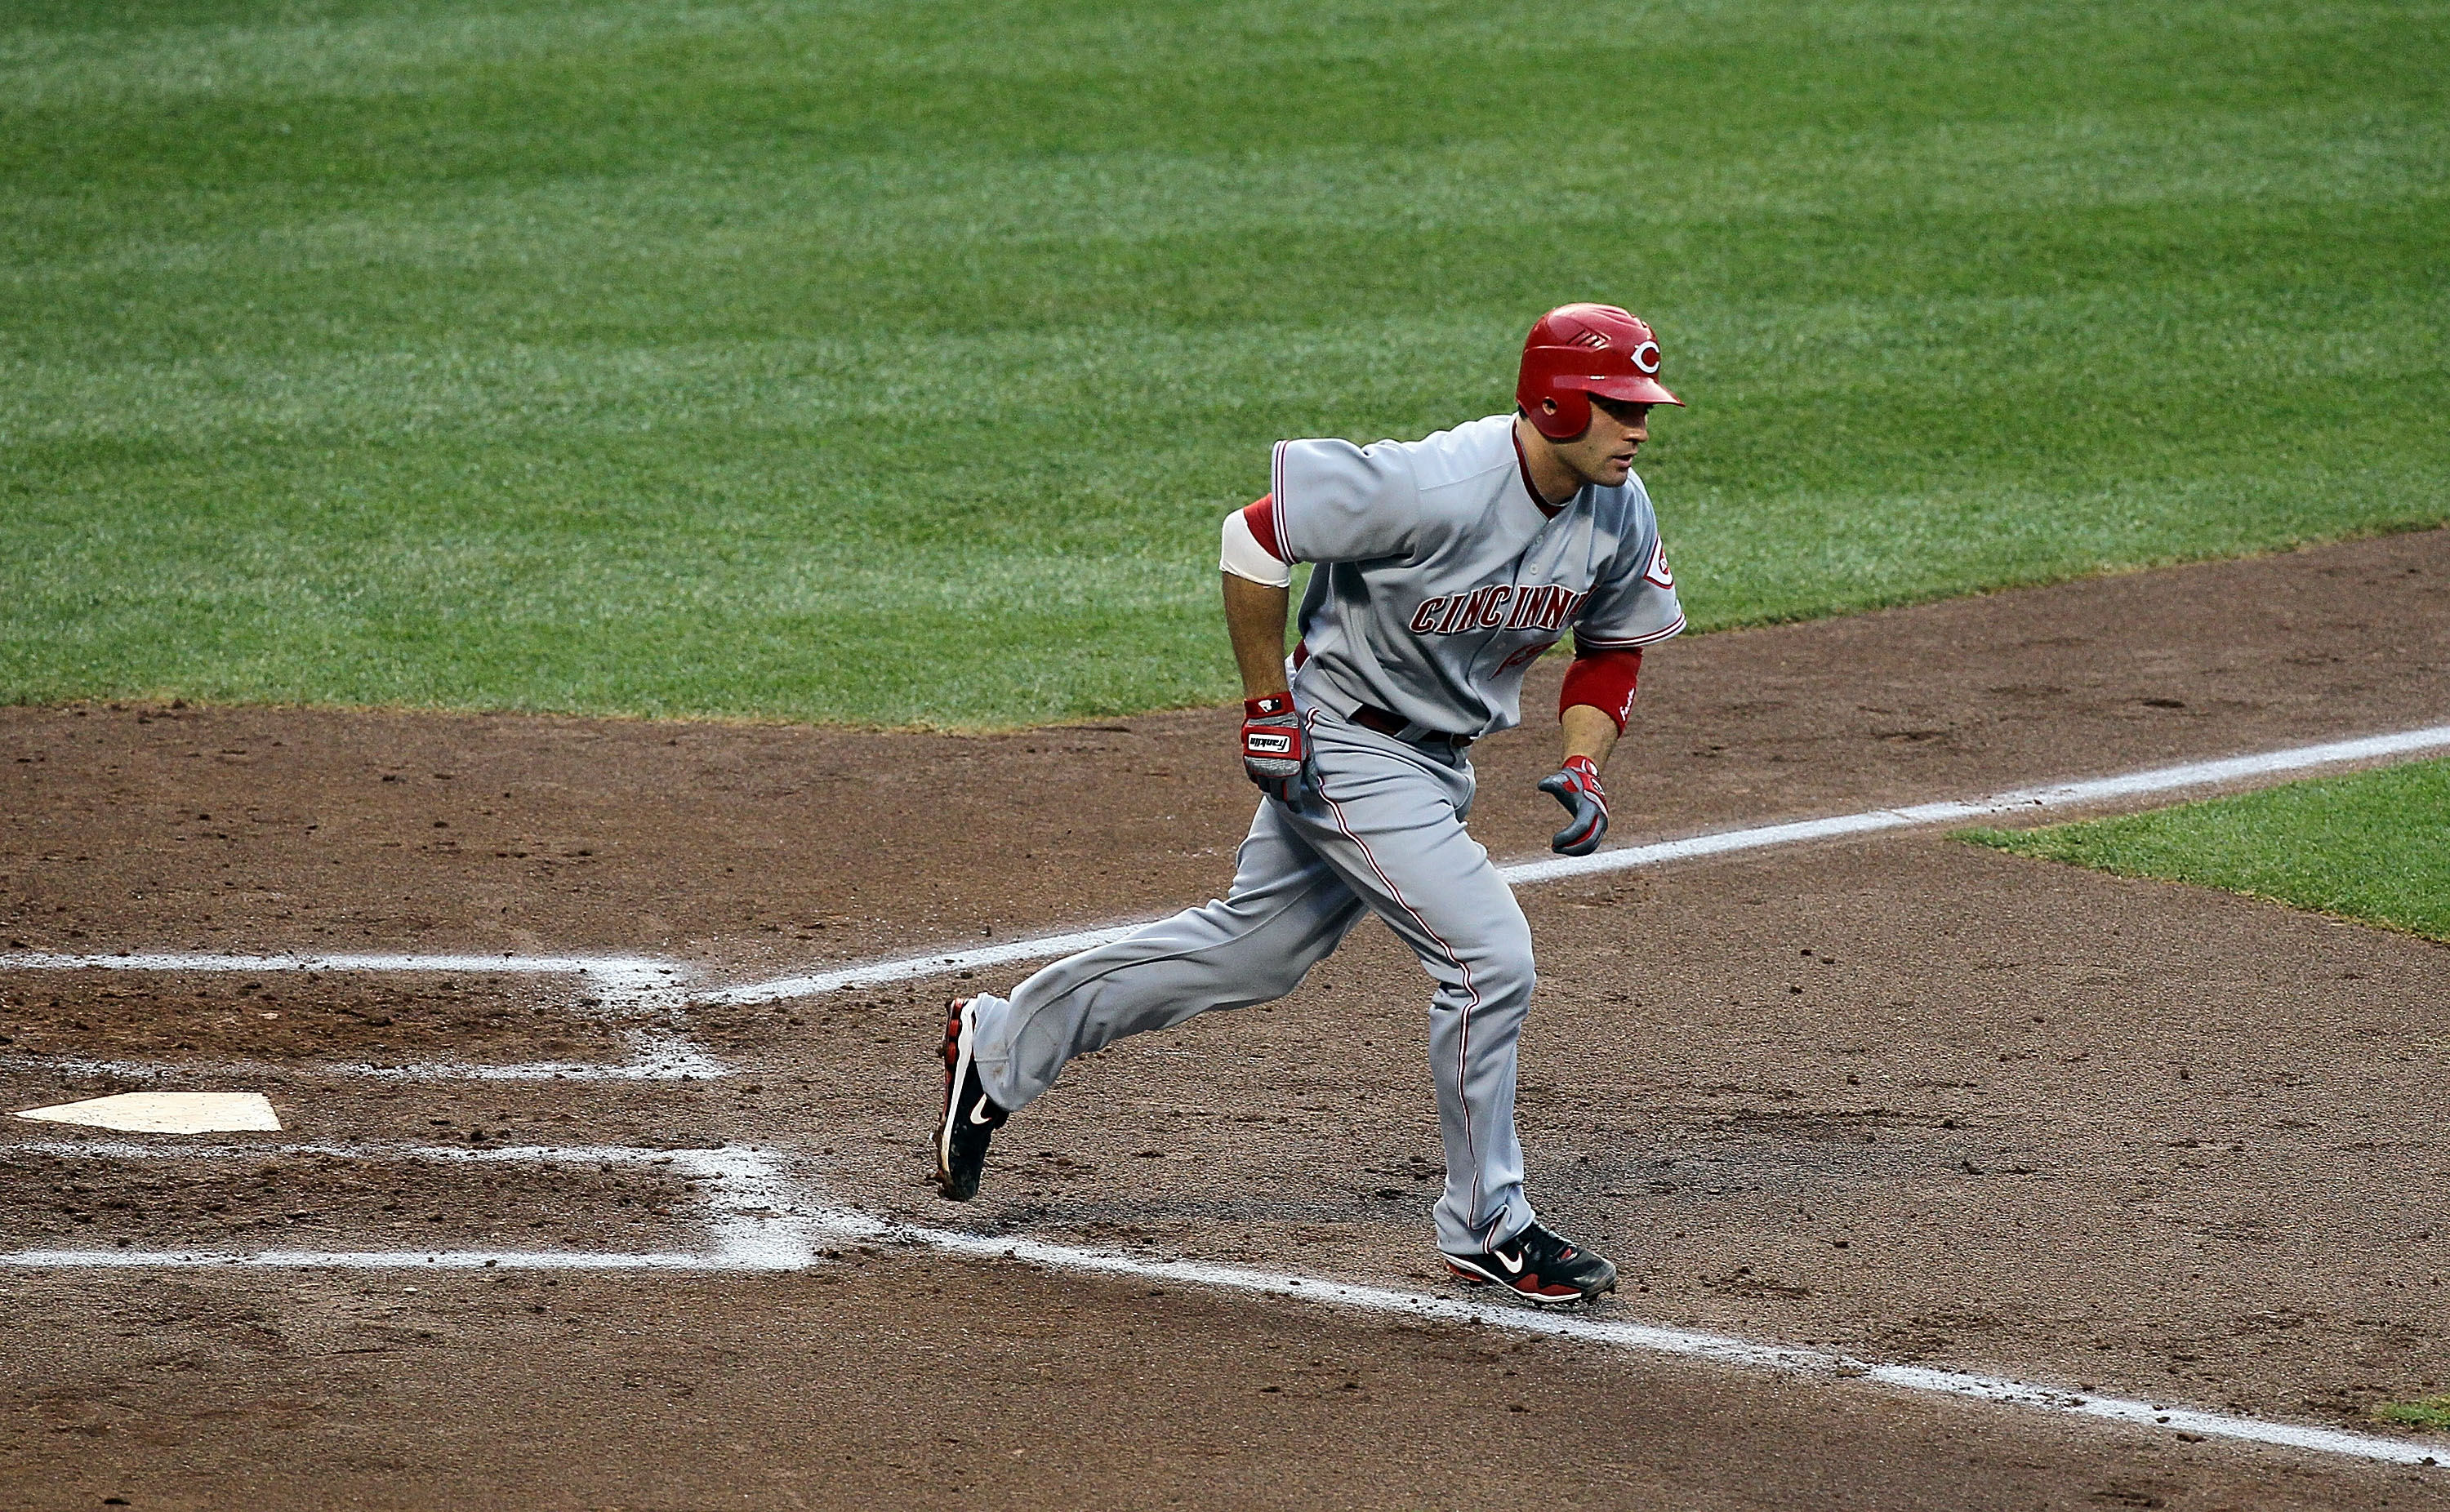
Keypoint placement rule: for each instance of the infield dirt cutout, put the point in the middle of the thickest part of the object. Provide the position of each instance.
(1900, 1097)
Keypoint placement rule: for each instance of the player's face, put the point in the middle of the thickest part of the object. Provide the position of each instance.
(1604, 453)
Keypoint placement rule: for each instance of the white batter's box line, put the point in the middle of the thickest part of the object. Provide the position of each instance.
(622, 973)
(652, 1057)
(757, 1227)
(625, 984)
(1761, 837)
(1646, 1337)
(753, 1223)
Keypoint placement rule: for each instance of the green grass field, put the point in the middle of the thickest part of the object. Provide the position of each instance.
(2374, 846)
(867, 362)
(2427, 1412)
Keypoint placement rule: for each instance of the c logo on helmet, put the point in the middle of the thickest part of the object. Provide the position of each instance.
(1645, 357)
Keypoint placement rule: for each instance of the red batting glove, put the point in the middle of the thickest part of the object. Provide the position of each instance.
(1577, 786)
(1273, 750)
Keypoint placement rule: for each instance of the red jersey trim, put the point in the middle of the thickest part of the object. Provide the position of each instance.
(1587, 643)
(1523, 464)
(1275, 490)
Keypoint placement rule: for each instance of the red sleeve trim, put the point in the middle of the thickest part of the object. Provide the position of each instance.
(1584, 641)
(1261, 518)
(1275, 492)
(1603, 679)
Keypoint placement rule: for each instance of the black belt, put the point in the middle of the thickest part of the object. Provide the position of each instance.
(1386, 722)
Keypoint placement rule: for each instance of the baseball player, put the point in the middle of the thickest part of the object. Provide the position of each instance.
(1444, 567)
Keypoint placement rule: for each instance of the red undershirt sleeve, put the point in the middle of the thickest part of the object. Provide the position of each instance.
(1605, 680)
(1261, 516)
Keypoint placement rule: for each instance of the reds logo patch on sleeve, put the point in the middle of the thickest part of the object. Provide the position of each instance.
(1657, 572)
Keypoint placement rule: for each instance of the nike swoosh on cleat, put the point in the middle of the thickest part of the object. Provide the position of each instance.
(1513, 1266)
(980, 1107)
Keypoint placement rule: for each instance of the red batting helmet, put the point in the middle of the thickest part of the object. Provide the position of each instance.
(1577, 350)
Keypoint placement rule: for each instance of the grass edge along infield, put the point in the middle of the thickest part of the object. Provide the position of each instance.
(2372, 846)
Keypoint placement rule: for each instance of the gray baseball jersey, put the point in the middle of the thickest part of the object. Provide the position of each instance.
(1442, 578)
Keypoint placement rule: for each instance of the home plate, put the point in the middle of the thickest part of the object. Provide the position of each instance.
(165, 1112)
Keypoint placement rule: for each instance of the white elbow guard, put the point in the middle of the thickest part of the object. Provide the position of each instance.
(1245, 557)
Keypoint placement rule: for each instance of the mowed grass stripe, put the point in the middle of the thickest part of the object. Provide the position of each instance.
(2374, 846)
(815, 361)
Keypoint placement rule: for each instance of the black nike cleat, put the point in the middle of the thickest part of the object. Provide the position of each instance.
(1543, 1269)
(971, 1117)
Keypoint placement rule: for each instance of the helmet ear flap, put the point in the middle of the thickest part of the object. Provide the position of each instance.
(1571, 417)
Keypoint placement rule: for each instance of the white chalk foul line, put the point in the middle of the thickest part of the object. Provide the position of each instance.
(2019, 800)
(623, 984)
(1761, 837)
(1718, 1348)
(750, 1225)
(906, 968)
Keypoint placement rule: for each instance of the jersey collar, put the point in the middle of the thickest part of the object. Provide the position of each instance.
(1523, 465)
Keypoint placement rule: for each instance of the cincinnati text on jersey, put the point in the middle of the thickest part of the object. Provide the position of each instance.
(1500, 606)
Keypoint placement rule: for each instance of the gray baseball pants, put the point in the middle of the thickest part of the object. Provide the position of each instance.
(1380, 829)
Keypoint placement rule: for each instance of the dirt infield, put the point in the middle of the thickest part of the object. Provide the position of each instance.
(53, 1197)
(325, 1015)
(1906, 1097)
